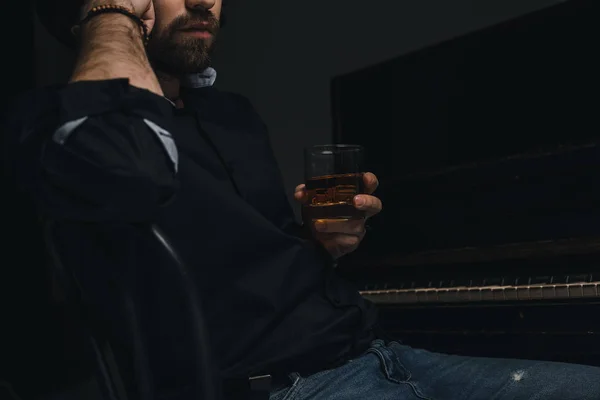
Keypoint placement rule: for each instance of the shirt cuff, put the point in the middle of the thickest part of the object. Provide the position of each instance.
(89, 98)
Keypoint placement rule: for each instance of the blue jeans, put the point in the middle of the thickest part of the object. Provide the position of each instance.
(398, 372)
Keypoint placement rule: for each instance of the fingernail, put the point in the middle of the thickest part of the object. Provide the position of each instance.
(359, 201)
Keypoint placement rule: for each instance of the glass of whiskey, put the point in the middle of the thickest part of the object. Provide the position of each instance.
(333, 176)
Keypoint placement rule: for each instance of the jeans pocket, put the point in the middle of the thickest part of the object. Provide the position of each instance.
(392, 367)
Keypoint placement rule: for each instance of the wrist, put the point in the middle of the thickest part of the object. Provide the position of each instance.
(113, 20)
(96, 3)
(111, 24)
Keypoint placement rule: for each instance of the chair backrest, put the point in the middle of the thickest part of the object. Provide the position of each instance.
(206, 374)
(107, 374)
(138, 385)
(40, 344)
(32, 247)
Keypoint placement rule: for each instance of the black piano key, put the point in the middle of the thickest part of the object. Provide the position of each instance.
(462, 282)
(421, 284)
(560, 279)
(582, 278)
(540, 280)
(477, 282)
(494, 281)
(510, 281)
(394, 285)
(523, 280)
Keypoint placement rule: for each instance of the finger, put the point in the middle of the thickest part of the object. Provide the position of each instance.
(149, 17)
(371, 205)
(341, 226)
(300, 193)
(371, 182)
(338, 244)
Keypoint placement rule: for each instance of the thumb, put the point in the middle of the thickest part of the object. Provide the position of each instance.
(300, 193)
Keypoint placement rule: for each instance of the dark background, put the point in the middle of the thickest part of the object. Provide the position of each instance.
(526, 85)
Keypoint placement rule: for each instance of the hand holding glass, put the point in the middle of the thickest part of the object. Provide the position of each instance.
(333, 176)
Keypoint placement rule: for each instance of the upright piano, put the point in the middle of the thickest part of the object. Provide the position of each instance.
(487, 147)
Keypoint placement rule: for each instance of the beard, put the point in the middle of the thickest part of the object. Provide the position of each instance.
(174, 53)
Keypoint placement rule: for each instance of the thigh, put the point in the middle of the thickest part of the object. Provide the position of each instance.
(374, 376)
(446, 377)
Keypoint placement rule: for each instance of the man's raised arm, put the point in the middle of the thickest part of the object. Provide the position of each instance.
(111, 46)
(99, 148)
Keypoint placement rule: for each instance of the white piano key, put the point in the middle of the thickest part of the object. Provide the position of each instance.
(485, 293)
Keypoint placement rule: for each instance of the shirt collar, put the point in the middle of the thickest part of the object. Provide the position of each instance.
(203, 79)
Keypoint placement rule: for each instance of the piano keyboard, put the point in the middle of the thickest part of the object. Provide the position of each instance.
(437, 293)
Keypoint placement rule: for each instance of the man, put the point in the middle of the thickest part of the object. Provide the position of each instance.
(141, 136)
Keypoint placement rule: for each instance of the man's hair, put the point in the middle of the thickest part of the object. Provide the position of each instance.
(59, 16)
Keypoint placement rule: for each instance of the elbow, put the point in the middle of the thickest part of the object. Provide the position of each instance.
(108, 169)
(96, 151)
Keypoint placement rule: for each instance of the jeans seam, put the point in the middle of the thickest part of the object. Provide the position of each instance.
(293, 389)
(417, 391)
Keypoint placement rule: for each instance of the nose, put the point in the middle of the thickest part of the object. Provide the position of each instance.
(205, 4)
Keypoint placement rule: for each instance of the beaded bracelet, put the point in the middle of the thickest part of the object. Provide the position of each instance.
(110, 8)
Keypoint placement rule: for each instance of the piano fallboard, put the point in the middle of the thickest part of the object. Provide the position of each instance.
(542, 195)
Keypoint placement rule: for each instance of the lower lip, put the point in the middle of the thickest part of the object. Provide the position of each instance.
(199, 34)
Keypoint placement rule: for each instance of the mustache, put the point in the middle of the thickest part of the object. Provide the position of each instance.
(205, 17)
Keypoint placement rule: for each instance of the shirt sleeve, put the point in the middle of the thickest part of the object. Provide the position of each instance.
(280, 212)
(95, 151)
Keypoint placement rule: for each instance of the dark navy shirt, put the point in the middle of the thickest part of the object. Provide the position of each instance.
(103, 158)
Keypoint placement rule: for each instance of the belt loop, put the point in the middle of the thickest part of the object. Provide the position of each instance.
(261, 383)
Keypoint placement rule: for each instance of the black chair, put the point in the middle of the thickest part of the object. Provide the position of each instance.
(114, 378)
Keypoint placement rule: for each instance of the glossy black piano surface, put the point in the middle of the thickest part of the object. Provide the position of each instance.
(488, 152)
